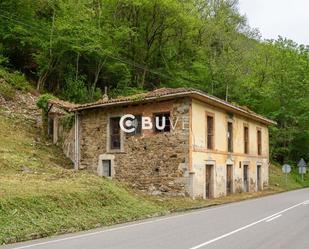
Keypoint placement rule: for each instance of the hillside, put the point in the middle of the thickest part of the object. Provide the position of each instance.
(40, 194)
(39, 197)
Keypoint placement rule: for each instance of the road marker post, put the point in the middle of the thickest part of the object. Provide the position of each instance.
(286, 169)
(302, 168)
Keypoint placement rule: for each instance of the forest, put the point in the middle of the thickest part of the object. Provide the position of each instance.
(75, 48)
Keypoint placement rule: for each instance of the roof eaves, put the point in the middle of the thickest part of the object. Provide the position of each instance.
(187, 92)
(128, 101)
(234, 107)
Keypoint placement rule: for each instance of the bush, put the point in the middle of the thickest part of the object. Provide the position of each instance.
(42, 102)
(15, 79)
(7, 91)
(3, 60)
(67, 122)
(77, 92)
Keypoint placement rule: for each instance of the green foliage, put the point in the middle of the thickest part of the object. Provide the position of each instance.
(7, 91)
(42, 101)
(77, 92)
(300, 146)
(3, 59)
(67, 122)
(277, 179)
(15, 79)
(11, 81)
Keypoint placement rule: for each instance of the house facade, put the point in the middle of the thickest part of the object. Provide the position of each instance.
(207, 148)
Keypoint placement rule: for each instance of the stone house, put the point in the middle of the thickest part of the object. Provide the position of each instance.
(207, 148)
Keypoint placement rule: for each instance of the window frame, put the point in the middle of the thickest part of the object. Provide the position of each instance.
(107, 157)
(230, 137)
(212, 134)
(259, 141)
(109, 137)
(109, 167)
(246, 138)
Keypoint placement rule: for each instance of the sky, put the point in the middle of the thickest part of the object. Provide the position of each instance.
(287, 18)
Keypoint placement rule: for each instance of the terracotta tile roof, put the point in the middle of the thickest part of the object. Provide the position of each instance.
(136, 98)
(164, 93)
(63, 104)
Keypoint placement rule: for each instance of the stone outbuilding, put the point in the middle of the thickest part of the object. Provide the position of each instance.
(179, 141)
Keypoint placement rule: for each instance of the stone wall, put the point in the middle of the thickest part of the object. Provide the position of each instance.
(67, 143)
(154, 162)
(63, 132)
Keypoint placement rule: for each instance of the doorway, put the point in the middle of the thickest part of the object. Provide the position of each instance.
(209, 181)
(258, 177)
(50, 127)
(246, 173)
(229, 179)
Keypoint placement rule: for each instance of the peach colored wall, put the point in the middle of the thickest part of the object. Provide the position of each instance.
(219, 157)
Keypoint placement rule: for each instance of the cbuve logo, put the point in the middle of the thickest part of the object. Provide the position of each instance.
(128, 123)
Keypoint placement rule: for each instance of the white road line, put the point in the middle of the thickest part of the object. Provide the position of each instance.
(306, 202)
(118, 228)
(273, 218)
(128, 226)
(247, 226)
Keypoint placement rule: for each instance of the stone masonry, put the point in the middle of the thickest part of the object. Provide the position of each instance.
(154, 162)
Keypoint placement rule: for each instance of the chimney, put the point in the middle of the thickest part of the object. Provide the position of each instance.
(105, 96)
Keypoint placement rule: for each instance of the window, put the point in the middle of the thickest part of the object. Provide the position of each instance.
(229, 136)
(137, 123)
(246, 139)
(107, 169)
(115, 133)
(210, 132)
(259, 142)
(162, 122)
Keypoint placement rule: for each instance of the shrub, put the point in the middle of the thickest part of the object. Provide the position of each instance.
(6, 91)
(15, 79)
(3, 60)
(76, 91)
(42, 102)
(67, 122)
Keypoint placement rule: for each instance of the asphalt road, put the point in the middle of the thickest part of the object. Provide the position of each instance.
(272, 222)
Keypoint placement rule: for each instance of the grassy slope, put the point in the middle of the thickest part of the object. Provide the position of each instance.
(278, 181)
(40, 195)
(44, 198)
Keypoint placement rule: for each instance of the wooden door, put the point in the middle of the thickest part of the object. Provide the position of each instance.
(209, 181)
(258, 177)
(229, 179)
(246, 183)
